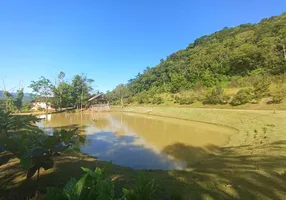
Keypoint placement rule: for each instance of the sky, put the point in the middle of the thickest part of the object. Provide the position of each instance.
(110, 41)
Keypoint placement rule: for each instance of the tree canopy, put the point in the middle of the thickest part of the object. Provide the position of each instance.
(63, 94)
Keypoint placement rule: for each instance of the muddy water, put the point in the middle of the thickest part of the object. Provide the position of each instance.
(141, 141)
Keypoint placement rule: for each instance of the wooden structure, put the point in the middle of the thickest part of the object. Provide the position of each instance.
(98, 103)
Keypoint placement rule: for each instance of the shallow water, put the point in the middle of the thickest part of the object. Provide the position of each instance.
(140, 141)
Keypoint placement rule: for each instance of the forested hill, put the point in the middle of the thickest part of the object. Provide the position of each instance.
(240, 51)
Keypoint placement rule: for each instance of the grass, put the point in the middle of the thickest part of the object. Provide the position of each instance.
(251, 166)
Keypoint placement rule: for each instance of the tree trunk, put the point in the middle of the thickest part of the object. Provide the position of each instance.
(121, 99)
(47, 107)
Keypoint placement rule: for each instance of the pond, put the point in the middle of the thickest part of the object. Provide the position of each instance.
(140, 141)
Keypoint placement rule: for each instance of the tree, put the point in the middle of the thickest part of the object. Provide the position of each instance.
(19, 99)
(60, 90)
(81, 86)
(42, 89)
(63, 95)
(177, 82)
(121, 92)
(10, 106)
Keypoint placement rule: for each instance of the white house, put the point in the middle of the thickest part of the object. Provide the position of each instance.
(40, 106)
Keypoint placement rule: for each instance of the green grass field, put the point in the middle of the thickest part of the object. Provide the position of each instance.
(252, 165)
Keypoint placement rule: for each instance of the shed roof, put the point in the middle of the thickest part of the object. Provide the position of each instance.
(95, 97)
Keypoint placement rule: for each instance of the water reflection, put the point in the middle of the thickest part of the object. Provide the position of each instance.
(123, 150)
(136, 141)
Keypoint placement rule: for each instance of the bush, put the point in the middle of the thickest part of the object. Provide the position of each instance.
(278, 95)
(261, 89)
(216, 96)
(186, 100)
(243, 96)
(157, 100)
(97, 185)
(238, 81)
(128, 100)
(142, 98)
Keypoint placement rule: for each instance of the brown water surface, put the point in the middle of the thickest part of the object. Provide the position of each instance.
(137, 141)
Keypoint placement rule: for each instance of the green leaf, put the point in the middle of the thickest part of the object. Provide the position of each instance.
(79, 186)
(91, 173)
(26, 162)
(68, 189)
(37, 151)
(125, 191)
(50, 141)
(106, 168)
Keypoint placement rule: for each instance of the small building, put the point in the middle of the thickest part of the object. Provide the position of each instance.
(39, 106)
(98, 103)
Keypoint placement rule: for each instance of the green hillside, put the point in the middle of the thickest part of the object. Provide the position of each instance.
(223, 57)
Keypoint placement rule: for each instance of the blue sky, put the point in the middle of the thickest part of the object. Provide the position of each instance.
(111, 41)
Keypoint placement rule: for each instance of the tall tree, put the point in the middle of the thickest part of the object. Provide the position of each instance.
(59, 89)
(19, 99)
(63, 95)
(81, 89)
(10, 105)
(42, 88)
(121, 91)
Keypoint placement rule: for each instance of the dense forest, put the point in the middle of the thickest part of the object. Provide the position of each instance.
(227, 57)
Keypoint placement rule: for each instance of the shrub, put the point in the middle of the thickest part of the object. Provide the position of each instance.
(278, 95)
(216, 96)
(157, 100)
(128, 100)
(261, 89)
(186, 100)
(97, 185)
(243, 96)
(199, 86)
(143, 189)
(238, 81)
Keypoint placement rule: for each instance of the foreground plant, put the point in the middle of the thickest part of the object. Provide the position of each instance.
(34, 148)
(12, 123)
(97, 185)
